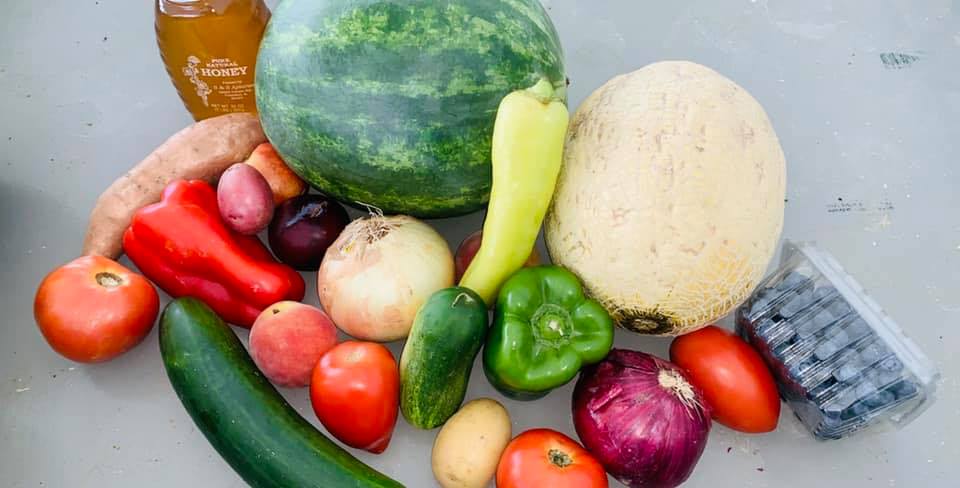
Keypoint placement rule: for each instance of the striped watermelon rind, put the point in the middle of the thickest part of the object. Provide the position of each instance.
(391, 103)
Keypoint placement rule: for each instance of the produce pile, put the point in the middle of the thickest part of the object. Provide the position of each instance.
(661, 202)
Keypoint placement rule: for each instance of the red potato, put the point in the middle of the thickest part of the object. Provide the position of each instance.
(287, 340)
(468, 249)
(245, 199)
(284, 183)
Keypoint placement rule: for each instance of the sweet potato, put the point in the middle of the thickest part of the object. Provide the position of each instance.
(202, 151)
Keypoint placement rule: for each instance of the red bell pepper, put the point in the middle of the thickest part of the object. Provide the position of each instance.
(182, 245)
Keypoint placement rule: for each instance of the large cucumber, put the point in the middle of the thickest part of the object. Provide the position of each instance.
(435, 365)
(255, 430)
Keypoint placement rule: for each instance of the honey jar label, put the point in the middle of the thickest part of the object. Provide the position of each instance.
(230, 83)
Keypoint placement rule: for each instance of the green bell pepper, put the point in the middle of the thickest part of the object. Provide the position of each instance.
(544, 329)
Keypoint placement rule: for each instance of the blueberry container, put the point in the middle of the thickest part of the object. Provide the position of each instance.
(841, 363)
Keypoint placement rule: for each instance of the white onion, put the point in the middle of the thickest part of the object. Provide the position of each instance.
(378, 273)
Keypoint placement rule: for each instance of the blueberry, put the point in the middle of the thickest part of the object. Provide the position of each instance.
(806, 330)
(839, 308)
(823, 318)
(822, 389)
(905, 389)
(871, 354)
(858, 328)
(765, 331)
(834, 408)
(764, 324)
(794, 305)
(842, 400)
(825, 349)
(797, 369)
(823, 292)
(846, 372)
(838, 337)
(759, 306)
(879, 399)
(865, 388)
(891, 364)
(884, 378)
(856, 410)
(831, 419)
(787, 335)
(791, 280)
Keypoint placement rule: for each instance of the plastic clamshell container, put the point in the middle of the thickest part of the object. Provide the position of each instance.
(841, 363)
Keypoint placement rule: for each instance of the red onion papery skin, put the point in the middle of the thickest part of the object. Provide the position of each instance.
(644, 433)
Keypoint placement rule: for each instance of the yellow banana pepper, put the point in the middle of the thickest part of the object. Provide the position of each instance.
(528, 138)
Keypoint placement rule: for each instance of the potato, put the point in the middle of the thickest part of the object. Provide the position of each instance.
(284, 183)
(200, 152)
(468, 447)
(245, 199)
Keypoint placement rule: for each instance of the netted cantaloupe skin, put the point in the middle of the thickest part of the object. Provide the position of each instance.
(670, 202)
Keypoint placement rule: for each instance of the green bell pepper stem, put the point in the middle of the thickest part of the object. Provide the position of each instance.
(544, 330)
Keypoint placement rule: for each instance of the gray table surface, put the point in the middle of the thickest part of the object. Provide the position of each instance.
(83, 96)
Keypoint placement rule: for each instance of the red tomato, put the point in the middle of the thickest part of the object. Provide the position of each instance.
(468, 250)
(734, 379)
(547, 458)
(355, 392)
(93, 309)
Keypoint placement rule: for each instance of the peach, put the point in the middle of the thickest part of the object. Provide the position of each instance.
(284, 183)
(287, 340)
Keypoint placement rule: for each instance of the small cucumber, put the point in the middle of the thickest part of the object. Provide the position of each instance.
(435, 365)
(255, 430)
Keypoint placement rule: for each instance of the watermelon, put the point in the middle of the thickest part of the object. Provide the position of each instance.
(391, 103)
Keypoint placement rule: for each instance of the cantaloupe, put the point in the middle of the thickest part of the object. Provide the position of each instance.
(670, 202)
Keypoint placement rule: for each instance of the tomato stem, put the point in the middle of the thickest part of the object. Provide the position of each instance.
(109, 280)
(559, 458)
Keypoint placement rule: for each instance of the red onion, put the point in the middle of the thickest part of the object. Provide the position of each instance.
(641, 418)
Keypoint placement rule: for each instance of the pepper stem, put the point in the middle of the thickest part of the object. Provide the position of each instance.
(551, 323)
(545, 92)
(559, 458)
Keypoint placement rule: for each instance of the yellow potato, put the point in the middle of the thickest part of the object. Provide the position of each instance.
(468, 447)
